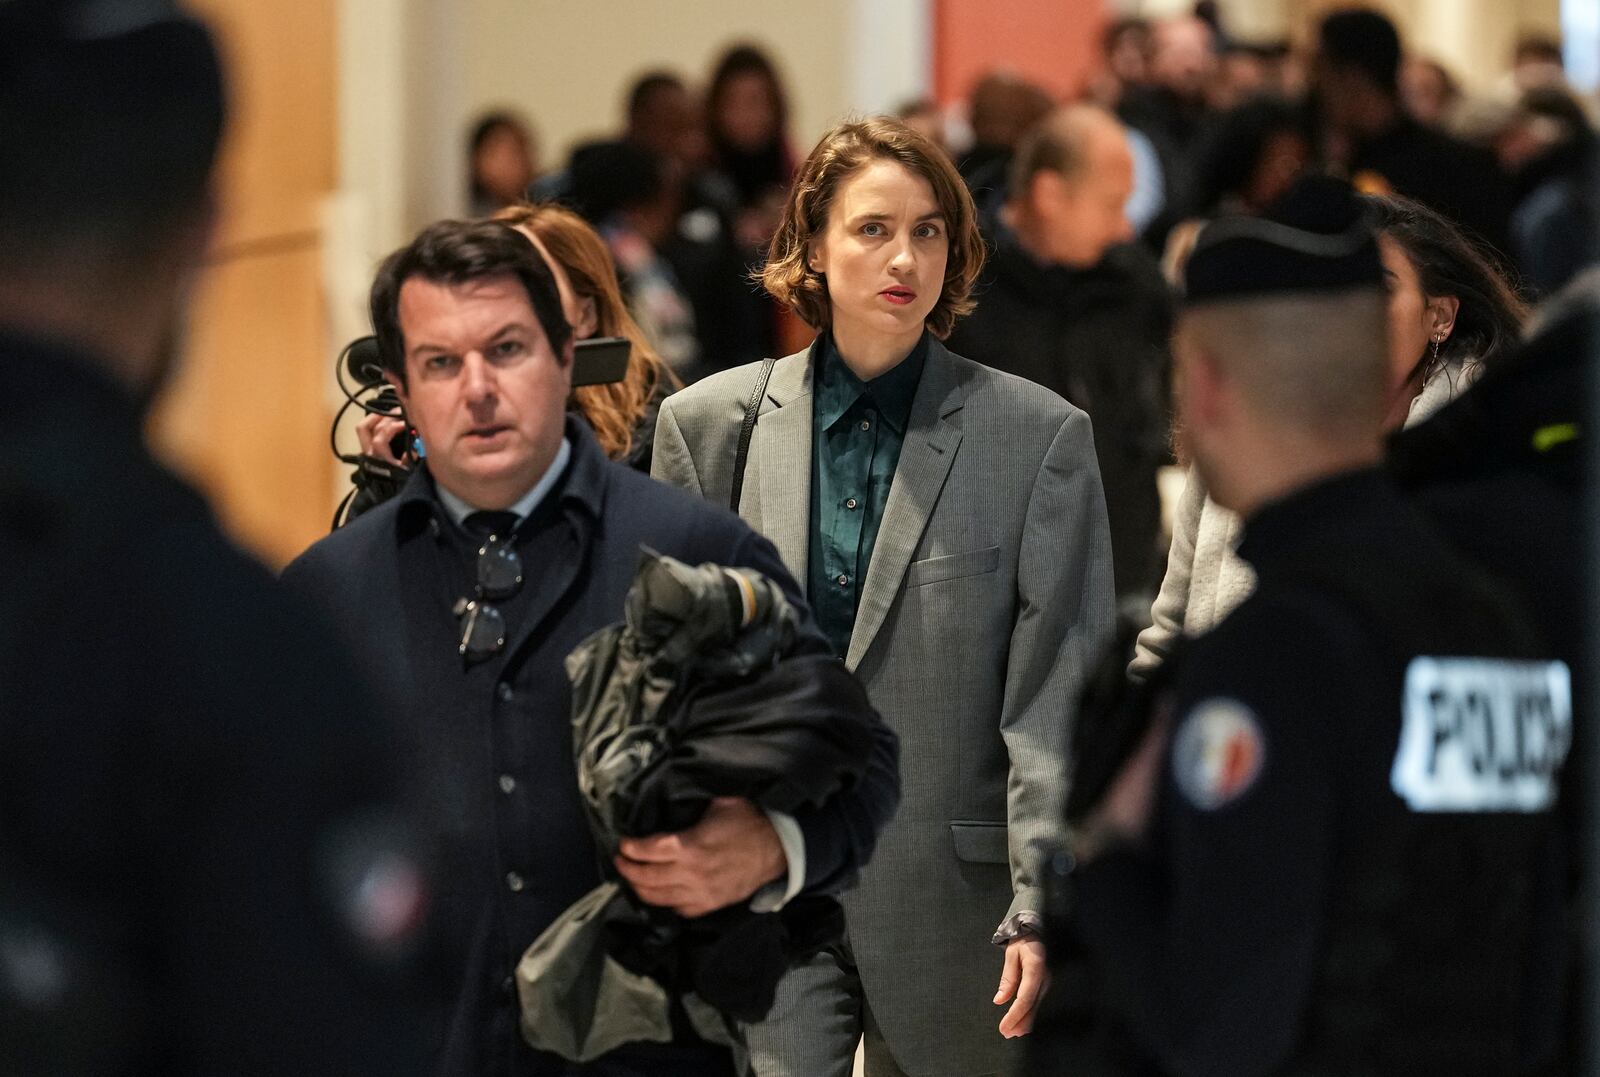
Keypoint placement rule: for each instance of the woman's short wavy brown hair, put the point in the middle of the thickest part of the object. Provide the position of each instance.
(842, 153)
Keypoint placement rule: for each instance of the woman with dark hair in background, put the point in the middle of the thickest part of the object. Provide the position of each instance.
(1452, 313)
(1451, 310)
(503, 160)
(747, 117)
(622, 414)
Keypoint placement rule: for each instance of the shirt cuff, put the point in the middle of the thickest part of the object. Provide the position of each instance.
(778, 893)
(1023, 923)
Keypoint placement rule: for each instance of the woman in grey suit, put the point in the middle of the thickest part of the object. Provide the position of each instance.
(949, 525)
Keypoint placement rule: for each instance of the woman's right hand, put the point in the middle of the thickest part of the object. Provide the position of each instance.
(375, 432)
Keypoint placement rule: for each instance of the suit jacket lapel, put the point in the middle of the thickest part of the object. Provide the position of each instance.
(925, 458)
(780, 452)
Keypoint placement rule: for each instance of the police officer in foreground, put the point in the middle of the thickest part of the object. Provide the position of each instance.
(1333, 848)
(200, 870)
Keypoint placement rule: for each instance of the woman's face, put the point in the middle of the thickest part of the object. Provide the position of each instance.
(746, 115)
(578, 310)
(1414, 321)
(883, 254)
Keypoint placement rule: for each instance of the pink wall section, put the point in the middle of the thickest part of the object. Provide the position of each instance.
(1055, 43)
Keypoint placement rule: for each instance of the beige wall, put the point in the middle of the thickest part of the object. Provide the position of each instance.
(568, 65)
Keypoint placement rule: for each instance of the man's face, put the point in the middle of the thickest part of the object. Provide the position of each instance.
(483, 387)
(1086, 214)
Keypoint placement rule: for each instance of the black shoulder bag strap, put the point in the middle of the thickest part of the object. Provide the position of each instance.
(752, 410)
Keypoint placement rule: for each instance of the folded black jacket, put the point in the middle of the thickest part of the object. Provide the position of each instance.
(697, 695)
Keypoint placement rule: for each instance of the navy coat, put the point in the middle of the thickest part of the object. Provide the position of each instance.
(494, 776)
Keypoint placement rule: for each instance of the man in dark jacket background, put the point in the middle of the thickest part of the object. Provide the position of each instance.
(1368, 137)
(1067, 302)
(466, 592)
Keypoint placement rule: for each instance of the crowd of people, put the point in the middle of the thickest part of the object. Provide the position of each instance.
(957, 760)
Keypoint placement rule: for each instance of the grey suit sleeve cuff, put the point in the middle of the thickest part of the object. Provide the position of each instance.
(1023, 923)
(778, 893)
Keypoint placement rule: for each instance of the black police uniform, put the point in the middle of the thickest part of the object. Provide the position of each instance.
(1353, 864)
(199, 868)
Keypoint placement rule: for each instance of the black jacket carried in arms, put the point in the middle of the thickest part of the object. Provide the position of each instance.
(701, 693)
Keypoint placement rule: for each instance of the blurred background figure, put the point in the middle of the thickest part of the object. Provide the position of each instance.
(1537, 64)
(1243, 71)
(1126, 45)
(664, 117)
(1366, 135)
(1001, 109)
(1428, 91)
(1069, 303)
(924, 116)
(1248, 159)
(747, 121)
(747, 116)
(504, 158)
(1548, 149)
(632, 197)
(667, 118)
(1172, 110)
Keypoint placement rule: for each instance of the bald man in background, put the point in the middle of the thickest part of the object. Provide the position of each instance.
(1068, 302)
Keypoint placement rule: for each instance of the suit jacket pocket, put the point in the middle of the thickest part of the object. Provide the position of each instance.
(953, 566)
(980, 843)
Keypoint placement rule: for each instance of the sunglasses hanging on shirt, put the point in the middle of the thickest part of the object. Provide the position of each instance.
(499, 576)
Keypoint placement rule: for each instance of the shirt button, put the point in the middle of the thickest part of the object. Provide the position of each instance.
(866, 424)
(507, 783)
(514, 881)
(850, 503)
(505, 692)
(843, 580)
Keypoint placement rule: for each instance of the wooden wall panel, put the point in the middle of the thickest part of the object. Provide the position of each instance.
(248, 416)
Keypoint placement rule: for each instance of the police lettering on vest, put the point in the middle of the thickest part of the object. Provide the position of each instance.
(1482, 735)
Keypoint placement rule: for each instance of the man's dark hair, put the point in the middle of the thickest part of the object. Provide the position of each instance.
(609, 177)
(647, 86)
(1365, 41)
(457, 252)
(110, 119)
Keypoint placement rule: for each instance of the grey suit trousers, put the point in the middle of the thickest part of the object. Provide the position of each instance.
(820, 1015)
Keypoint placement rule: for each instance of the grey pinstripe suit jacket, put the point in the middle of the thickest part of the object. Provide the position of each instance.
(988, 592)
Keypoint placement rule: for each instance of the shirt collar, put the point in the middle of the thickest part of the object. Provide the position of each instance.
(580, 459)
(459, 510)
(838, 388)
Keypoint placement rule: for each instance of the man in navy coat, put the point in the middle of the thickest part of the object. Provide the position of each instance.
(514, 541)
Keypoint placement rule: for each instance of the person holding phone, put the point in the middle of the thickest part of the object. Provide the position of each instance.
(948, 523)
(622, 413)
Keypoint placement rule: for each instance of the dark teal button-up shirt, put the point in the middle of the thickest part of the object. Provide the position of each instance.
(857, 429)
